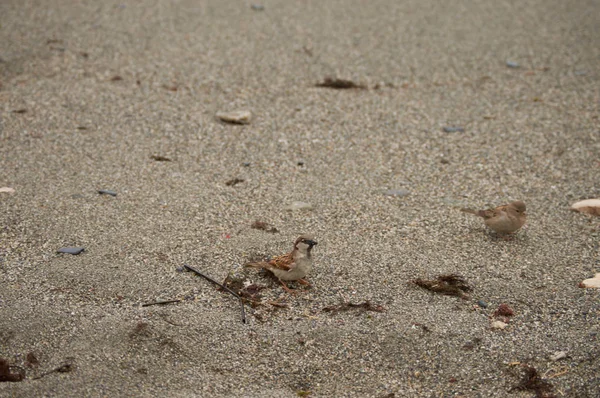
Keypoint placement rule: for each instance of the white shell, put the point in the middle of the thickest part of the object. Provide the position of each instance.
(498, 325)
(590, 206)
(592, 282)
(236, 117)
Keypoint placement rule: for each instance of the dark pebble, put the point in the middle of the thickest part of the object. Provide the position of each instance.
(107, 192)
(257, 7)
(71, 250)
(246, 164)
(453, 129)
(482, 304)
(180, 269)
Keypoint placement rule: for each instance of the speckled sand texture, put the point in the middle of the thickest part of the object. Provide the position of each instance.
(123, 96)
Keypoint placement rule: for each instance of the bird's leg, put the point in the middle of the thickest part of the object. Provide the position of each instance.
(286, 288)
(304, 282)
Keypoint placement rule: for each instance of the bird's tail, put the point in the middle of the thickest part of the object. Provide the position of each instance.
(257, 264)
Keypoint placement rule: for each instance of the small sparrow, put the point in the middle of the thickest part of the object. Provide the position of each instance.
(293, 266)
(504, 219)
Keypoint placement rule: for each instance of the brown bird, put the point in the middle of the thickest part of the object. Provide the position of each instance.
(504, 219)
(293, 266)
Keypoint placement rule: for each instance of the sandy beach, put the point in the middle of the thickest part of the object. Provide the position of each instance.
(455, 104)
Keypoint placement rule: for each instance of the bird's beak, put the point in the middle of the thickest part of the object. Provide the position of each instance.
(311, 243)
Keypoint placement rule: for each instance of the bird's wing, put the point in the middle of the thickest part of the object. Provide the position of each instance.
(492, 213)
(284, 262)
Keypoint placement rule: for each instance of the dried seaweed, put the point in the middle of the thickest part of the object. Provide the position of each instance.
(32, 360)
(450, 285)
(340, 84)
(234, 182)
(533, 382)
(366, 306)
(6, 374)
(160, 158)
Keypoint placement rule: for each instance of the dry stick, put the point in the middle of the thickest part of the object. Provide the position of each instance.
(161, 302)
(222, 287)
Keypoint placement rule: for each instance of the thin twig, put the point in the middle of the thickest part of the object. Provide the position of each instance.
(161, 302)
(222, 287)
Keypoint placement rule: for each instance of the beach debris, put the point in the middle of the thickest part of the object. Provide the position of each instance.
(448, 284)
(589, 206)
(297, 205)
(7, 375)
(263, 226)
(71, 250)
(107, 192)
(161, 302)
(234, 182)
(498, 325)
(453, 129)
(160, 158)
(82, 128)
(591, 283)
(66, 367)
(504, 310)
(20, 111)
(365, 306)
(397, 192)
(31, 360)
(208, 278)
(170, 88)
(7, 190)
(235, 117)
(512, 64)
(116, 78)
(257, 7)
(482, 304)
(300, 163)
(558, 355)
(532, 381)
(339, 84)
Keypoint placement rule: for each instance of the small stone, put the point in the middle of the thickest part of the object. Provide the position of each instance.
(300, 163)
(499, 325)
(246, 164)
(558, 355)
(592, 282)
(7, 190)
(257, 7)
(180, 269)
(71, 250)
(454, 129)
(107, 192)
(299, 206)
(396, 192)
(235, 117)
(512, 64)
(482, 304)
